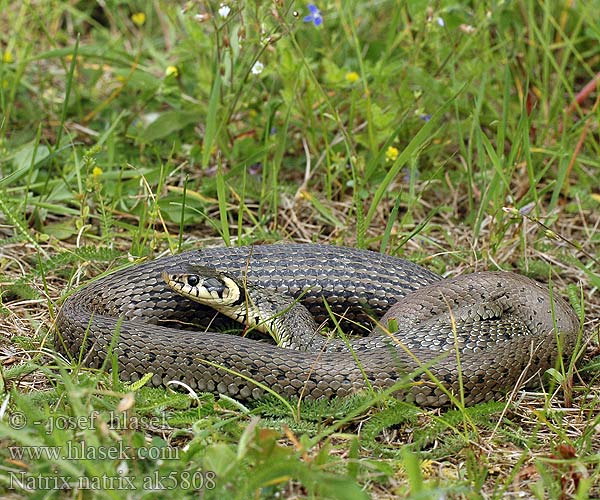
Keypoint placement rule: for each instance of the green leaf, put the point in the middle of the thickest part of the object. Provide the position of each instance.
(220, 459)
(138, 384)
(211, 120)
(340, 488)
(167, 123)
(24, 157)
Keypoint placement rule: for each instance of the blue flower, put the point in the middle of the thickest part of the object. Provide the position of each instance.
(314, 16)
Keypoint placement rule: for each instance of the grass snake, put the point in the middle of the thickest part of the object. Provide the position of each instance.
(479, 333)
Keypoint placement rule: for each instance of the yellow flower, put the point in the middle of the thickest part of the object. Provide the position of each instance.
(7, 57)
(96, 172)
(352, 77)
(391, 153)
(172, 71)
(139, 18)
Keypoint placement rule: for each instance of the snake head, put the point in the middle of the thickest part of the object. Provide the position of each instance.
(204, 284)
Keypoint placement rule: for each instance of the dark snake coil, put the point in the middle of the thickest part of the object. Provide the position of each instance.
(498, 327)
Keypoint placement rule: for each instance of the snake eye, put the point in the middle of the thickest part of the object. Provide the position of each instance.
(193, 280)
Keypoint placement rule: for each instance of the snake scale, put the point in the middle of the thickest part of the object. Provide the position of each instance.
(493, 327)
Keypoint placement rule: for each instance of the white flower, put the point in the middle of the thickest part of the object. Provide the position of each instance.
(224, 10)
(257, 68)
(440, 21)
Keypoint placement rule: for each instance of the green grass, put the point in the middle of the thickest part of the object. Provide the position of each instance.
(384, 128)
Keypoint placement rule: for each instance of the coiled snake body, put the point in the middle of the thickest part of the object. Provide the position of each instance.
(494, 328)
